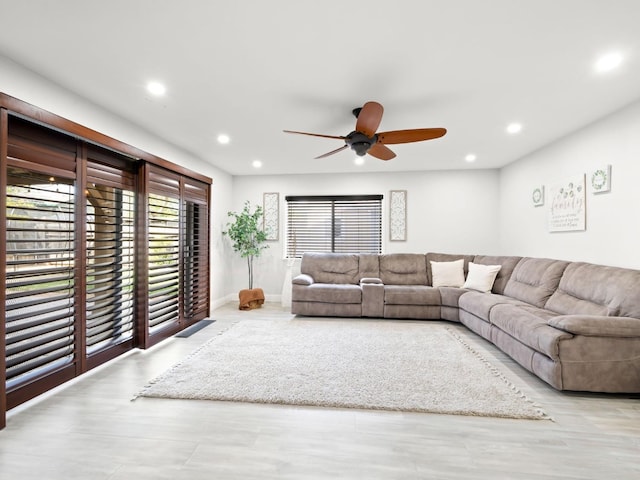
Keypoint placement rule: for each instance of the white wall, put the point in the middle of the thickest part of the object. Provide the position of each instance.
(32, 88)
(473, 211)
(612, 232)
(448, 211)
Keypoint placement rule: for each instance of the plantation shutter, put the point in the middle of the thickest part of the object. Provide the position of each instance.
(110, 258)
(340, 224)
(40, 317)
(105, 248)
(164, 250)
(195, 230)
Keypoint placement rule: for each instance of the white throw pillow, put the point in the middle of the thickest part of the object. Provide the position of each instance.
(447, 274)
(481, 277)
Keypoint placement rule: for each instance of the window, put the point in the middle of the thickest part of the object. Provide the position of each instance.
(164, 261)
(40, 312)
(178, 253)
(195, 250)
(102, 252)
(110, 260)
(341, 224)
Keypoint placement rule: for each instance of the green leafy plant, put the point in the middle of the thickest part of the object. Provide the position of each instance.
(247, 236)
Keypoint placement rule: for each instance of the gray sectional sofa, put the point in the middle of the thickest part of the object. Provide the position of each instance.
(575, 325)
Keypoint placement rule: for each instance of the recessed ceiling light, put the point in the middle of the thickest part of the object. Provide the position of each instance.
(223, 139)
(471, 157)
(608, 62)
(514, 128)
(359, 161)
(256, 164)
(156, 88)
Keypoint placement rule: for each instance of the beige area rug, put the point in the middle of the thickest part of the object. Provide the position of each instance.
(368, 364)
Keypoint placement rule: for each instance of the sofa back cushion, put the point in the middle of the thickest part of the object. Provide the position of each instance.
(369, 266)
(403, 269)
(590, 289)
(446, 257)
(534, 280)
(331, 267)
(507, 263)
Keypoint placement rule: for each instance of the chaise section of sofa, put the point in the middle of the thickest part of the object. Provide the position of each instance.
(599, 306)
(575, 325)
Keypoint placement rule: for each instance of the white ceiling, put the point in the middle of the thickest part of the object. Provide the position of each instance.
(253, 68)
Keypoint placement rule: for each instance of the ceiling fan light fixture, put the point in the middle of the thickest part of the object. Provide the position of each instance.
(470, 157)
(359, 161)
(361, 148)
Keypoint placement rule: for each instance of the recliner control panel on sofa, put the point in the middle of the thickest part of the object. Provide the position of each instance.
(575, 325)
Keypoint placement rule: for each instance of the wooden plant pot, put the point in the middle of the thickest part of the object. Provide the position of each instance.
(251, 298)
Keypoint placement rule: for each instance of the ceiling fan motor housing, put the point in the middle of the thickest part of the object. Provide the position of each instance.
(360, 143)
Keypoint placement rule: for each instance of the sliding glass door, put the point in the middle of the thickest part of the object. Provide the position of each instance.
(195, 271)
(110, 259)
(102, 253)
(40, 289)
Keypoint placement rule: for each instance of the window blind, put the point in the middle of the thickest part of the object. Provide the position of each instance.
(195, 271)
(339, 224)
(164, 261)
(110, 257)
(40, 313)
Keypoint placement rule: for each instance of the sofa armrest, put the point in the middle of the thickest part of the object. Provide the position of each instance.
(303, 279)
(370, 280)
(372, 299)
(597, 325)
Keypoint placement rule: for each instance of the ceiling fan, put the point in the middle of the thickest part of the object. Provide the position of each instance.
(364, 138)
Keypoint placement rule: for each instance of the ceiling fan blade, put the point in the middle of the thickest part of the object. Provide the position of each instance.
(369, 118)
(315, 134)
(332, 152)
(378, 150)
(408, 136)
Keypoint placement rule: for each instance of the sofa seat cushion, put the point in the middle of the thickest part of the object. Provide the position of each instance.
(328, 293)
(480, 304)
(450, 296)
(411, 295)
(529, 325)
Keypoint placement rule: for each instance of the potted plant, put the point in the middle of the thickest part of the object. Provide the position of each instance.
(249, 240)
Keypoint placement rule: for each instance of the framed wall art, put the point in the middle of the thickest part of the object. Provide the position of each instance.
(537, 196)
(271, 215)
(601, 179)
(567, 206)
(398, 215)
